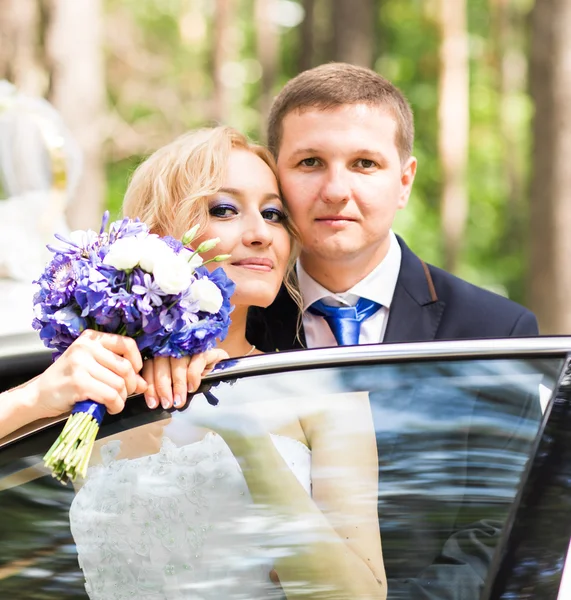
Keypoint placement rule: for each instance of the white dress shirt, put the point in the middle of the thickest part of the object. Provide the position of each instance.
(379, 286)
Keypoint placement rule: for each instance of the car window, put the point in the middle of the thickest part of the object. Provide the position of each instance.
(168, 509)
(530, 557)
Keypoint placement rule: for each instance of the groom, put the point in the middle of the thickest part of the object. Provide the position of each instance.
(342, 136)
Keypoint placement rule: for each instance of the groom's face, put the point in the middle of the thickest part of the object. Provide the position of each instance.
(343, 181)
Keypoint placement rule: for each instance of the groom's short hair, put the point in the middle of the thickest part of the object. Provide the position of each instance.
(332, 85)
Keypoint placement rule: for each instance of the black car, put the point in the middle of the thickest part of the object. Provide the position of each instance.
(474, 453)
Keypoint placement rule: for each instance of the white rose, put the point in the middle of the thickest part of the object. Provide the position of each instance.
(124, 254)
(207, 294)
(195, 262)
(153, 249)
(173, 273)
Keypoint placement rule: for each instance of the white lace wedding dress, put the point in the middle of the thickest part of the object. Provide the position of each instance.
(179, 524)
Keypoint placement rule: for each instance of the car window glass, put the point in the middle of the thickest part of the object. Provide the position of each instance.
(167, 508)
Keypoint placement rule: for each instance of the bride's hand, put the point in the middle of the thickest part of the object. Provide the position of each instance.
(169, 380)
(98, 366)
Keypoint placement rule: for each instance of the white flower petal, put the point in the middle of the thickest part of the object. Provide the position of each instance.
(124, 254)
(172, 274)
(207, 294)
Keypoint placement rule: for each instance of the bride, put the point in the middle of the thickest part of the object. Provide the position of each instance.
(246, 504)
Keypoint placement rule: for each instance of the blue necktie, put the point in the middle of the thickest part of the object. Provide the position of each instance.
(345, 321)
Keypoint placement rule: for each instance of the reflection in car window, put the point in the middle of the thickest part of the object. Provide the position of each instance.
(167, 508)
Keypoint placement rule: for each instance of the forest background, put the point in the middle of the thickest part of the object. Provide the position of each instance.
(489, 82)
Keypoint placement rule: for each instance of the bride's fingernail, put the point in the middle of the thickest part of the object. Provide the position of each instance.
(164, 403)
(177, 400)
(152, 403)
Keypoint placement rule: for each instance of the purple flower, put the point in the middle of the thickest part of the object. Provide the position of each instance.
(125, 228)
(176, 245)
(57, 281)
(70, 320)
(104, 222)
(167, 319)
(150, 291)
(77, 290)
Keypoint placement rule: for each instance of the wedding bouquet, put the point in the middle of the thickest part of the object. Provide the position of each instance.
(127, 281)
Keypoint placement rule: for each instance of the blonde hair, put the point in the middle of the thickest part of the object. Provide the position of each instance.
(169, 191)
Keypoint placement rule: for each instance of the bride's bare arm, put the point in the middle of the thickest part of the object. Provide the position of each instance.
(98, 366)
(337, 550)
(345, 477)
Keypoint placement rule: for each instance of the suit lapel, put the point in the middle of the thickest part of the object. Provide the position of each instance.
(415, 311)
(282, 317)
(414, 315)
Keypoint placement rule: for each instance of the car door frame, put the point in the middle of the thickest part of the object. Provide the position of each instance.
(546, 466)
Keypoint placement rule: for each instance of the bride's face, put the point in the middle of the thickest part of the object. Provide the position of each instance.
(247, 214)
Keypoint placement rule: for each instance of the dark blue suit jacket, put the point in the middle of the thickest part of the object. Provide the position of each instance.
(428, 304)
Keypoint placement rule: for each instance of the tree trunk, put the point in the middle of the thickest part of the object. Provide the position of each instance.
(511, 65)
(322, 32)
(353, 31)
(550, 76)
(306, 56)
(19, 40)
(267, 46)
(453, 123)
(222, 54)
(74, 47)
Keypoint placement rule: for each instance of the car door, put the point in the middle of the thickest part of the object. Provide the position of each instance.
(458, 431)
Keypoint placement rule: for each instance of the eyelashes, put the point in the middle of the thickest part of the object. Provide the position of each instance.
(222, 211)
(309, 162)
(366, 164)
(226, 210)
(274, 215)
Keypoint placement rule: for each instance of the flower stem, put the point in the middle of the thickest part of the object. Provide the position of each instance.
(70, 454)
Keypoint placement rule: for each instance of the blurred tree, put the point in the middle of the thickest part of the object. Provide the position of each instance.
(550, 77)
(177, 64)
(509, 65)
(453, 131)
(323, 32)
(75, 53)
(353, 31)
(267, 49)
(223, 52)
(306, 58)
(410, 60)
(20, 46)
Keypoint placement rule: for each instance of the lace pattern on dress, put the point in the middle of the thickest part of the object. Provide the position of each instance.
(179, 524)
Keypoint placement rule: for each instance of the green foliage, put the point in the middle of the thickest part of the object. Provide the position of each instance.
(118, 174)
(169, 88)
(493, 255)
(410, 60)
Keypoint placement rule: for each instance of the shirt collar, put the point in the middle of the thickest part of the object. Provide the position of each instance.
(379, 285)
